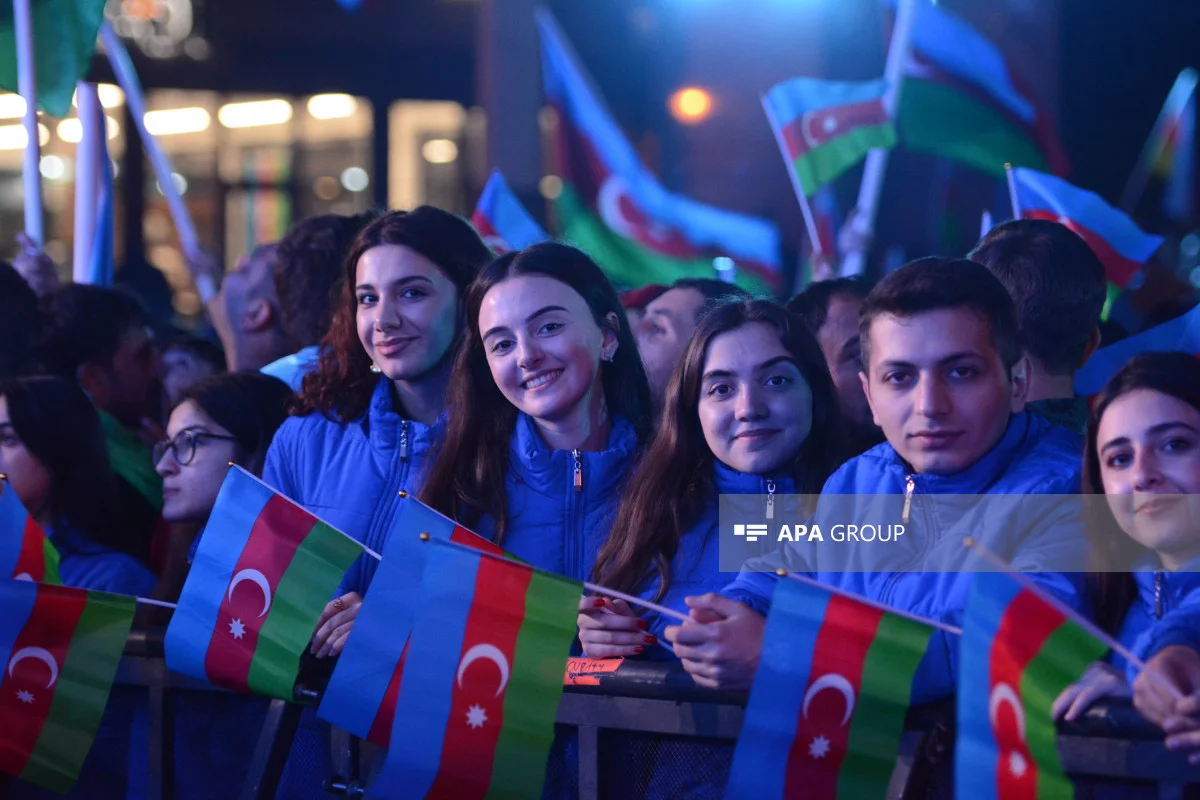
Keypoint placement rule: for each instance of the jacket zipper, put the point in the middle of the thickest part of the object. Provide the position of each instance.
(1158, 603)
(574, 548)
(770, 499)
(889, 585)
(404, 440)
(909, 485)
(578, 471)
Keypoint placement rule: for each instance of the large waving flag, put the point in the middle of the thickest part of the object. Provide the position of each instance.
(612, 207)
(25, 551)
(1119, 243)
(483, 678)
(1181, 334)
(962, 101)
(361, 695)
(502, 221)
(94, 254)
(1018, 653)
(60, 648)
(825, 127)
(263, 573)
(1169, 151)
(64, 40)
(831, 726)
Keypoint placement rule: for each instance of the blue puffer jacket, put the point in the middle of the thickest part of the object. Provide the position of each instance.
(1166, 612)
(1033, 457)
(351, 474)
(561, 503)
(84, 564)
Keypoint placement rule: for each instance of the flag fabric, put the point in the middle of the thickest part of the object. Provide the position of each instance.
(483, 678)
(612, 206)
(264, 571)
(962, 101)
(99, 264)
(1181, 334)
(64, 41)
(985, 223)
(502, 221)
(826, 127)
(1119, 243)
(61, 650)
(1179, 192)
(25, 551)
(828, 726)
(361, 695)
(1018, 653)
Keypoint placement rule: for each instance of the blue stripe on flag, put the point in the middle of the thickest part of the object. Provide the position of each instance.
(365, 668)
(238, 506)
(102, 267)
(511, 221)
(1181, 334)
(761, 756)
(16, 599)
(12, 529)
(790, 99)
(427, 688)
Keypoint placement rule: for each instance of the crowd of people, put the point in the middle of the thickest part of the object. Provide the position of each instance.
(590, 433)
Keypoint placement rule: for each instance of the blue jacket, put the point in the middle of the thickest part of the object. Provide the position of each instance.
(84, 564)
(552, 523)
(1166, 612)
(1033, 457)
(351, 474)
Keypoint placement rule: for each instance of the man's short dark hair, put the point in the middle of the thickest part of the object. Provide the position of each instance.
(20, 323)
(1056, 282)
(84, 324)
(308, 271)
(202, 349)
(933, 284)
(714, 291)
(811, 306)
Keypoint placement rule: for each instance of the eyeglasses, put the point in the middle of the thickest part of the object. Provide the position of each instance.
(183, 446)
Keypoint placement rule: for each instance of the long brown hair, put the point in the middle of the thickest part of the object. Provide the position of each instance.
(1112, 592)
(467, 479)
(342, 384)
(675, 479)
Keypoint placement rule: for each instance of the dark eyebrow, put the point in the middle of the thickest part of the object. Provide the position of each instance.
(770, 362)
(530, 318)
(1153, 430)
(965, 354)
(400, 282)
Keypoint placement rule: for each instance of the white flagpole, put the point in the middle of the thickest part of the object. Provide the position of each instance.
(985, 223)
(27, 85)
(91, 148)
(1181, 91)
(876, 165)
(1012, 191)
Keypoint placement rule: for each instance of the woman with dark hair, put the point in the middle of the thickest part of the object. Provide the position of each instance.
(1143, 455)
(52, 450)
(364, 417)
(750, 409)
(549, 406)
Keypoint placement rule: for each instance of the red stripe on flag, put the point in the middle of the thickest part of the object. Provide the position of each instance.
(477, 705)
(467, 538)
(381, 727)
(823, 729)
(1024, 628)
(1117, 267)
(31, 673)
(814, 128)
(32, 560)
(279, 529)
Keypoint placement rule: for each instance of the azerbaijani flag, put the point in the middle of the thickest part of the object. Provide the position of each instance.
(362, 692)
(25, 551)
(828, 726)
(963, 102)
(264, 571)
(1181, 334)
(612, 207)
(61, 649)
(1179, 169)
(64, 41)
(826, 127)
(502, 221)
(1116, 239)
(483, 678)
(1018, 653)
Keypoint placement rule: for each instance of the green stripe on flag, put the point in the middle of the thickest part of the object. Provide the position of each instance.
(825, 163)
(531, 699)
(64, 41)
(302, 593)
(946, 121)
(50, 556)
(1061, 661)
(883, 700)
(81, 692)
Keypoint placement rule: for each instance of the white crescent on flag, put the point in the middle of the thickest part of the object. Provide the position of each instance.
(830, 680)
(258, 579)
(1003, 693)
(41, 654)
(489, 652)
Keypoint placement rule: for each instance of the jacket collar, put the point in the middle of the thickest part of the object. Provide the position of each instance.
(984, 473)
(547, 469)
(729, 481)
(383, 425)
(1153, 582)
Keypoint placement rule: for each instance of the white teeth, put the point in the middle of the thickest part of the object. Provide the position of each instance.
(541, 380)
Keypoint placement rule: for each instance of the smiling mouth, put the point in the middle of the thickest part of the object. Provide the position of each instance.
(1155, 505)
(756, 434)
(392, 346)
(538, 381)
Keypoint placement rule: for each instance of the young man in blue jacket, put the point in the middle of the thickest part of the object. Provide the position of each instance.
(946, 381)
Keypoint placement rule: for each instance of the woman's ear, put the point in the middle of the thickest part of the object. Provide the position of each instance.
(611, 334)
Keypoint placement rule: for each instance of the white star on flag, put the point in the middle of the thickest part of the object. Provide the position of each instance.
(819, 747)
(476, 716)
(24, 696)
(1016, 764)
(237, 629)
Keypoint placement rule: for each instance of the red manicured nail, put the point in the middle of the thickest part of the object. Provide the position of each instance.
(637, 651)
(641, 623)
(599, 603)
(650, 639)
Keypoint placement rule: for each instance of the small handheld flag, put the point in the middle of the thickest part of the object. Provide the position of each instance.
(502, 221)
(263, 573)
(25, 551)
(1181, 334)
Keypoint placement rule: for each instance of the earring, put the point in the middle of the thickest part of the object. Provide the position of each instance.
(375, 368)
